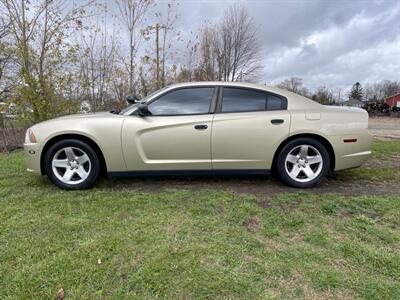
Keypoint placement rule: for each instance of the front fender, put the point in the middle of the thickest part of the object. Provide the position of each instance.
(104, 132)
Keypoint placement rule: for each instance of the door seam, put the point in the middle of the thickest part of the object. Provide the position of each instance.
(211, 138)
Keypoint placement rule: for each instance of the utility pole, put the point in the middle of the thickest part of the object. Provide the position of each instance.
(159, 59)
(157, 56)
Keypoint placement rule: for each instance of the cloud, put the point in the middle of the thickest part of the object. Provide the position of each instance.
(362, 47)
(327, 43)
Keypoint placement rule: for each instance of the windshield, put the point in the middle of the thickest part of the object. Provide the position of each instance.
(145, 99)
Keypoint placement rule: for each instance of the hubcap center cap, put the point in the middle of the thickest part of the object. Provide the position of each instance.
(301, 162)
(74, 164)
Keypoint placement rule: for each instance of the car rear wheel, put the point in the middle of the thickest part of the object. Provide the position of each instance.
(303, 162)
(72, 164)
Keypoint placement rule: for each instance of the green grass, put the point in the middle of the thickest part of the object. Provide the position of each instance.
(124, 244)
(386, 156)
(381, 148)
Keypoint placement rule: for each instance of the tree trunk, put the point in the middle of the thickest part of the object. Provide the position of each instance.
(3, 130)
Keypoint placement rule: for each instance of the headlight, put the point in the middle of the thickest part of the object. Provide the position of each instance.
(30, 136)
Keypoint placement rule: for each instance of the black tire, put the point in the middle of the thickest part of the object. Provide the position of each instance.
(94, 164)
(280, 167)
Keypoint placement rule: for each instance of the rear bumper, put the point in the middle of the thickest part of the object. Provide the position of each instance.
(32, 155)
(352, 160)
(352, 155)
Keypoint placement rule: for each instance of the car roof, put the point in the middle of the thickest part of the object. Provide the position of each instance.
(226, 83)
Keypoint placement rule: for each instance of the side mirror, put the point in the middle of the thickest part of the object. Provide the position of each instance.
(144, 110)
(132, 99)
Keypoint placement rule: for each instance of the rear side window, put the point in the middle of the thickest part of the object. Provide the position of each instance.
(242, 100)
(186, 101)
(274, 103)
(246, 100)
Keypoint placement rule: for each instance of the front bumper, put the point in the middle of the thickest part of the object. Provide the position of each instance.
(32, 155)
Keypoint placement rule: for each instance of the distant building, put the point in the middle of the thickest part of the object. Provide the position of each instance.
(353, 103)
(393, 101)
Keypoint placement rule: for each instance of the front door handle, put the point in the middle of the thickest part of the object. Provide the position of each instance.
(277, 121)
(201, 127)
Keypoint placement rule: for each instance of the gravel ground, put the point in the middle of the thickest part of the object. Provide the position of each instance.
(385, 128)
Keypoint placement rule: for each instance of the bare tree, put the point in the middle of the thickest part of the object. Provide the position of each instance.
(6, 54)
(324, 96)
(167, 26)
(228, 51)
(6, 58)
(187, 70)
(239, 45)
(210, 66)
(295, 85)
(132, 13)
(97, 60)
(119, 82)
(337, 94)
(377, 91)
(163, 40)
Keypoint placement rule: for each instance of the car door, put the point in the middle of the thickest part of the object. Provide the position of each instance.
(177, 134)
(247, 128)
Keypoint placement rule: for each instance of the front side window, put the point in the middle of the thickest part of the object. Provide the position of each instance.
(186, 101)
(243, 100)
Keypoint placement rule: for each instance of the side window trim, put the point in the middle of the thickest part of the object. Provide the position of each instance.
(214, 101)
(268, 93)
(211, 109)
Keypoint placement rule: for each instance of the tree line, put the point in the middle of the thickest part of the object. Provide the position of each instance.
(371, 92)
(56, 56)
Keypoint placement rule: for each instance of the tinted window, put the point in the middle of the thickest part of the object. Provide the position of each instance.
(183, 102)
(236, 100)
(274, 103)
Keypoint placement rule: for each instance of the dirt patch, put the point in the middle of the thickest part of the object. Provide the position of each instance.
(257, 185)
(265, 203)
(264, 186)
(251, 224)
(390, 161)
(385, 128)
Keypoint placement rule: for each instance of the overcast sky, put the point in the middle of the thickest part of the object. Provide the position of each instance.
(325, 42)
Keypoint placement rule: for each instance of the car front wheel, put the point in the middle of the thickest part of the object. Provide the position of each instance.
(72, 164)
(303, 162)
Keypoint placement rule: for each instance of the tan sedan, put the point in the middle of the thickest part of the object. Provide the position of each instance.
(203, 128)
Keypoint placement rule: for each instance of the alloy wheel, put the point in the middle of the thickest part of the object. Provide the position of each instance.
(71, 165)
(303, 163)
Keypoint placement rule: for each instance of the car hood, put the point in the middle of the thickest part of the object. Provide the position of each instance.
(80, 117)
(86, 116)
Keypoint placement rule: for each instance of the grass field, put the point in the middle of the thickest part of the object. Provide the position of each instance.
(122, 243)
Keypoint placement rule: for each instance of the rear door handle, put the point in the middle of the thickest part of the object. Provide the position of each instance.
(277, 121)
(201, 127)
